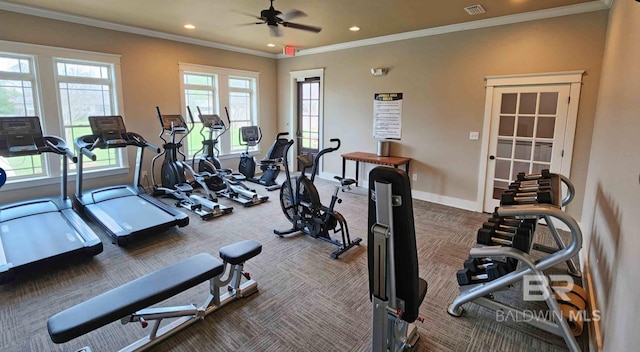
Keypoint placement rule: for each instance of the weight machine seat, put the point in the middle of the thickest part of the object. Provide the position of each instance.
(133, 296)
(409, 286)
(240, 252)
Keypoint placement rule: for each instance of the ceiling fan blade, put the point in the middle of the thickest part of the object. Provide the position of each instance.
(247, 14)
(304, 27)
(275, 31)
(293, 14)
(250, 23)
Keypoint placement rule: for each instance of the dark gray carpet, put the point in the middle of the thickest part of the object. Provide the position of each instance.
(306, 301)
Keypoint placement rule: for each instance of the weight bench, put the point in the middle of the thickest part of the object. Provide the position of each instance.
(131, 301)
(394, 285)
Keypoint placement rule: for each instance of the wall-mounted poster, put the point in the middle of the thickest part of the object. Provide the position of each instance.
(387, 115)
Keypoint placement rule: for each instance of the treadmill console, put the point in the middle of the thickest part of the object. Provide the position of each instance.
(110, 129)
(20, 135)
(175, 122)
(212, 121)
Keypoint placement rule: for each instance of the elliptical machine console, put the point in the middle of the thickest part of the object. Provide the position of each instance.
(300, 202)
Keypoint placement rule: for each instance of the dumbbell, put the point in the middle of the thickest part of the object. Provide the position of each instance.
(529, 187)
(511, 222)
(520, 239)
(543, 174)
(512, 198)
(476, 265)
(506, 226)
(493, 271)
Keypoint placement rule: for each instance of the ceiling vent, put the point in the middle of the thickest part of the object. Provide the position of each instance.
(475, 9)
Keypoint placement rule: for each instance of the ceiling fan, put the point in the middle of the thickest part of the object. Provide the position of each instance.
(274, 18)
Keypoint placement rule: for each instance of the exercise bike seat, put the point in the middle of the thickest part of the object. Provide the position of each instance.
(183, 187)
(345, 181)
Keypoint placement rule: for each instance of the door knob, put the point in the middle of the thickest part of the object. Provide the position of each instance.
(491, 157)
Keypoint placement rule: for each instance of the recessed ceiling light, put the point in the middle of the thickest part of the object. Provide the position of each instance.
(189, 26)
(271, 45)
(354, 28)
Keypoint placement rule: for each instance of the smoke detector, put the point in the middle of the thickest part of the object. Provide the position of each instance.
(475, 9)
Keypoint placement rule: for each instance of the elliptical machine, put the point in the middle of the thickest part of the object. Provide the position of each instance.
(174, 182)
(250, 136)
(226, 182)
(300, 202)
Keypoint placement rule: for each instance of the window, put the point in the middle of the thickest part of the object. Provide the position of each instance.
(213, 89)
(199, 92)
(63, 87)
(85, 89)
(18, 98)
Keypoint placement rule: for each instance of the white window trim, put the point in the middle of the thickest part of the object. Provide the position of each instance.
(47, 96)
(221, 97)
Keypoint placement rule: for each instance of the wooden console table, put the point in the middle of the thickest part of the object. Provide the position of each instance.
(372, 158)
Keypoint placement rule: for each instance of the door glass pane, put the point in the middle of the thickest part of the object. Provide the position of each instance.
(506, 125)
(314, 108)
(504, 148)
(525, 126)
(315, 91)
(305, 123)
(306, 91)
(508, 105)
(542, 151)
(537, 168)
(498, 188)
(502, 169)
(528, 103)
(546, 126)
(523, 150)
(518, 167)
(548, 103)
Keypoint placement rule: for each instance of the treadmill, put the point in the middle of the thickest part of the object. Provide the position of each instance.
(39, 232)
(126, 212)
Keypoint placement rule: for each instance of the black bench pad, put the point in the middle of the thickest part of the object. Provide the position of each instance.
(132, 296)
(240, 252)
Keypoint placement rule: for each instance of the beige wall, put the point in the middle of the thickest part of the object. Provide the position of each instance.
(149, 69)
(610, 215)
(442, 78)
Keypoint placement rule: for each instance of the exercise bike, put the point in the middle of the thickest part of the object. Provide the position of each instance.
(250, 136)
(174, 182)
(301, 204)
(227, 183)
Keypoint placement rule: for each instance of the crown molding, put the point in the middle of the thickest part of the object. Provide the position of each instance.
(591, 6)
(33, 11)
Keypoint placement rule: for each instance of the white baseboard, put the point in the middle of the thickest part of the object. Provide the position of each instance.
(459, 203)
(419, 195)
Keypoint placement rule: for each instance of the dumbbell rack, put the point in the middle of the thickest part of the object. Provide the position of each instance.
(482, 293)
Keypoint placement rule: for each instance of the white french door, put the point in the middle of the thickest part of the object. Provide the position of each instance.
(527, 134)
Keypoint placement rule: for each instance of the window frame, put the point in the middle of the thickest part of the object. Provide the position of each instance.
(221, 99)
(47, 101)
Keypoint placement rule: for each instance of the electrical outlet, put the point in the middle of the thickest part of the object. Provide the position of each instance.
(474, 135)
(415, 177)
(144, 173)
